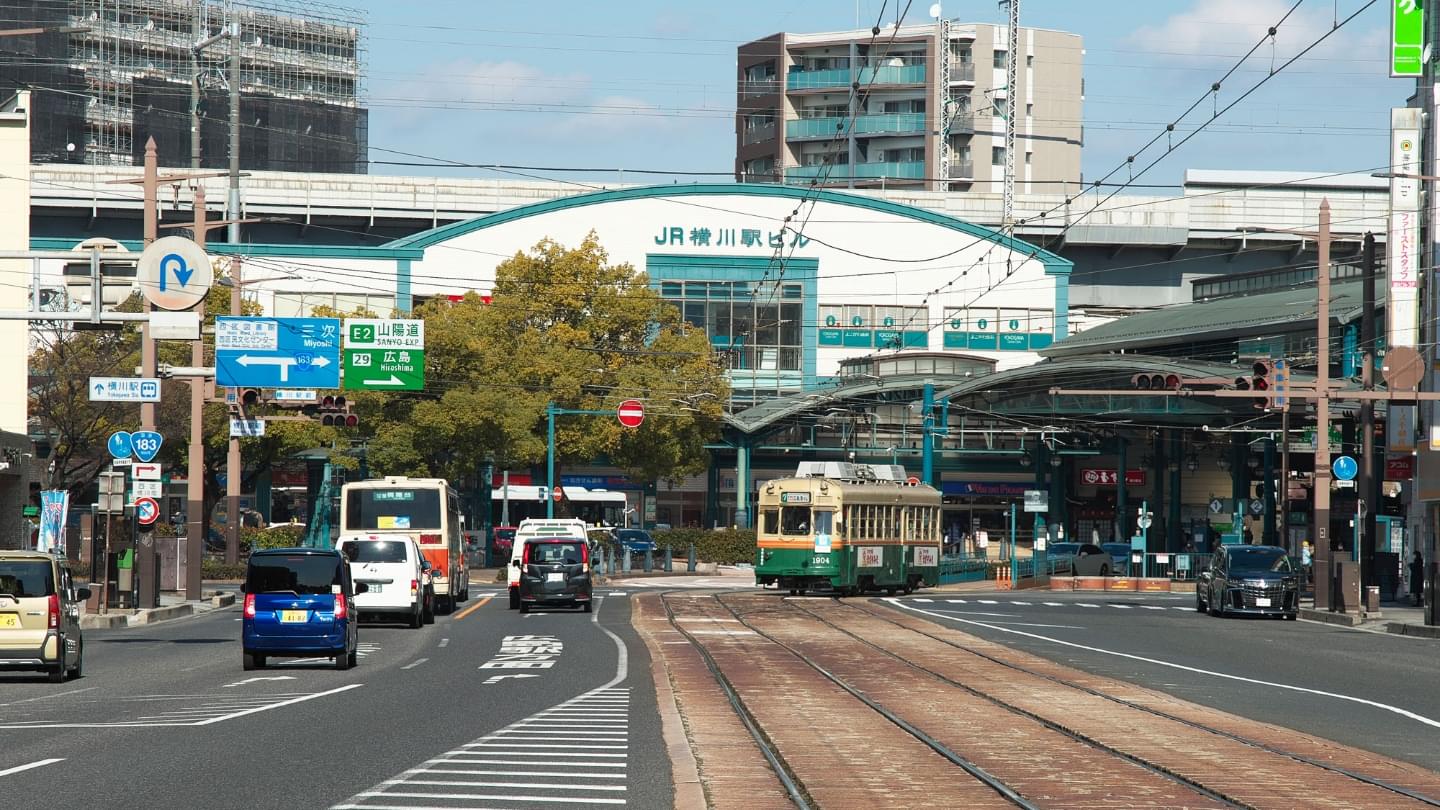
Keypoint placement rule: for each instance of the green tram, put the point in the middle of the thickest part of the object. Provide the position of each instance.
(850, 528)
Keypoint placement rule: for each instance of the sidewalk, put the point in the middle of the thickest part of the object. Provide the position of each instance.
(1401, 618)
(172, 606)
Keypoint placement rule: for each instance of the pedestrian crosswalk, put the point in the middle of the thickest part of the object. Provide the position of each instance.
(573, 754)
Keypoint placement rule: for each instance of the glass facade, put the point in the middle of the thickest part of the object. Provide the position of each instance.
(754, 328)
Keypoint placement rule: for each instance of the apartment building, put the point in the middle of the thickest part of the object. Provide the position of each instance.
(915, 106)
(106, 75)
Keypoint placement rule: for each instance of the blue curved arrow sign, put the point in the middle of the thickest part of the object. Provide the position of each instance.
(1345, 468)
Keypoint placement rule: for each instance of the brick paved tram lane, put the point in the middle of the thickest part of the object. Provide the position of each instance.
(1047, 735)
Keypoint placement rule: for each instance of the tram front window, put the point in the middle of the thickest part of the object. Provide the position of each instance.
(769, 521)
(795, 520)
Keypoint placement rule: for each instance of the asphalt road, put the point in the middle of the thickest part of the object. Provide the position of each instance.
(486, 708)
(1365, 689)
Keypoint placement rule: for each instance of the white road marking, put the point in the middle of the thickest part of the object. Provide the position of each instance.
(980, 613)
(1180, 607)
(261, 678)
(917, 599)
(619, 593)
(1018, 602)
(444, 642)
(587, 732)
(1054, 604)
(498, 678)
(417, 662)
(1087, 604)
(37, 764)
(987, 601)
(1419, 718)
(958, 601)
(1153, 607)
(1121, 607)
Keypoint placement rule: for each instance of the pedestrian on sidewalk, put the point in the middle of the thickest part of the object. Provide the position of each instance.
(1417, 578)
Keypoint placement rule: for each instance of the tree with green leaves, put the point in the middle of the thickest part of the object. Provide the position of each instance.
(565, 326)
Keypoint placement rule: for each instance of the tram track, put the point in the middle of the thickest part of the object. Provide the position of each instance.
(1349, 773)
(873, 662)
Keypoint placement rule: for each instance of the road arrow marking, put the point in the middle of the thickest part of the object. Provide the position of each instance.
(262, 678)
(499, 678)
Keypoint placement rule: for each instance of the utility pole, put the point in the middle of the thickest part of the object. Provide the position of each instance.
(195, 474)
(1367, 493)
(234, 467)
(1321, 476)
(1012, 62)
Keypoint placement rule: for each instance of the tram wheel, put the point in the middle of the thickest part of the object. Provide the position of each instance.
(794, 591)
(889, 590)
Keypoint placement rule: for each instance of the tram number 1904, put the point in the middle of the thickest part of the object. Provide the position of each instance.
(820, 559)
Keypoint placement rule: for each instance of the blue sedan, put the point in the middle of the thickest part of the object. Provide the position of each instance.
(638, 541)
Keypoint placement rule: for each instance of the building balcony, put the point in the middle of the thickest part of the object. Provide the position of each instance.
(962, 72)
(758, 134)
(759, 87)
(914, 170)
(885, 124)
(962, 169)
(868, 76)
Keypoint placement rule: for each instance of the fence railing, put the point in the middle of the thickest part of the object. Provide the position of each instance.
(963, 568)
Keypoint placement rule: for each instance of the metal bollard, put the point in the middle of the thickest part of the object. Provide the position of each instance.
(669, 560)
(627, 560)
(610, 561)
(690, 562)
(649, 560)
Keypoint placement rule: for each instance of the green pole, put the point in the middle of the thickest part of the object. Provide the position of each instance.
(550, 460)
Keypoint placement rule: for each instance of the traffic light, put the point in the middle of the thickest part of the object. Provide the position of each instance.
(1146, 381)
(249, 397)
(1262, 374)
(1280, 379)
(335, 412)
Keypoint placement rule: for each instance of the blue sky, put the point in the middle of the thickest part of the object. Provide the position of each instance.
(648, 85)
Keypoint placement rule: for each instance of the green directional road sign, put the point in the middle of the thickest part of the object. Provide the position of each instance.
(384, 370)
(1407, 38)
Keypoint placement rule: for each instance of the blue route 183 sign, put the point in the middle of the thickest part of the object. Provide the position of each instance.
(146, 444)
(1345, 468)
(277, 352)
(120, 444)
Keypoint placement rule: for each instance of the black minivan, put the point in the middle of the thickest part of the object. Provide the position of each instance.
(555, 572)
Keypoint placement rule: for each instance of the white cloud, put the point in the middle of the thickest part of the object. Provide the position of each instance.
(502, 83)
(1222, 30)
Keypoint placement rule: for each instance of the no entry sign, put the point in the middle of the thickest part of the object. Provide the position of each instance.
(631, 413)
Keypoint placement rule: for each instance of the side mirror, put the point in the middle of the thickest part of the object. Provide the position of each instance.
(82, 594)
(515, 563)
(361, 587)
(425, 565)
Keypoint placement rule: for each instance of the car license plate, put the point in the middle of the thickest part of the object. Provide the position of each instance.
(376, 587)
(555, 576)
(1262, 601)
(294, 616)
(9, 620)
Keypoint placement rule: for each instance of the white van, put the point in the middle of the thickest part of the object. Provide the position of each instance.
(392, 567)
(539, 529)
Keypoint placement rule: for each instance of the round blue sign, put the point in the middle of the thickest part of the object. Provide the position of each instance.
(120, 444)
(1345, 468)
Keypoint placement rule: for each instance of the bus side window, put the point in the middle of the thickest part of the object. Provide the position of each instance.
(770, 521)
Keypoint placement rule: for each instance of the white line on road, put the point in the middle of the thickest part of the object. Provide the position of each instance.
(980, 613)
(417, 662)
(1053, 604)
(1419, 718)
(55, 695)
(1179, 607)
(444, 642)
(1018, 602)
(987, 601)
(290, 702)
(1121, 607)
(922, 600)
(958, 601)
(1154, 607)
(1087, 604)
(37, 764)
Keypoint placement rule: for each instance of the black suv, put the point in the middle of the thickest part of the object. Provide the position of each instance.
(555, 572)
(1259, 580)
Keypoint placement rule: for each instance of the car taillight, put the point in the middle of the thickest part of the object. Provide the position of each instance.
(54, 611)
(249, 605)
(429, 538)
(525, 555)
(414, 586)
(339, 605)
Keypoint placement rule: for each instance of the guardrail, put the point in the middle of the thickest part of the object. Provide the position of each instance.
(963, 568)
(1181, 567)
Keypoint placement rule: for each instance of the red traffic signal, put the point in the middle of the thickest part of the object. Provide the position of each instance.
(1156, 382)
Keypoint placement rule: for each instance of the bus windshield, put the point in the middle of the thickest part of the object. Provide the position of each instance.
(401, 508)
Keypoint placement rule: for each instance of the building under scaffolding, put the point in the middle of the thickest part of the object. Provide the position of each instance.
(108, 74)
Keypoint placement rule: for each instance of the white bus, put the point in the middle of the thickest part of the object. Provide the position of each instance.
(594, 506)
(424, 509)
